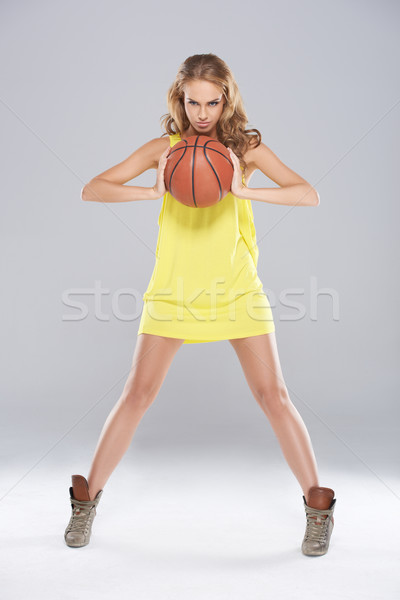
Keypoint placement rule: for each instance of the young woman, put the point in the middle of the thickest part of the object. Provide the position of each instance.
(205, 287)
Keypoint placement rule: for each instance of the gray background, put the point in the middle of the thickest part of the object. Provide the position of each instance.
(83, 85)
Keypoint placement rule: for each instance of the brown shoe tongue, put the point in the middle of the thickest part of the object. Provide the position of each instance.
(320, 497)
(80, 488)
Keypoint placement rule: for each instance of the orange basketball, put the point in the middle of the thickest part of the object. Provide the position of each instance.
(199, 171)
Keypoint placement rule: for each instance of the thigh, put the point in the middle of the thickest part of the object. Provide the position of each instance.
(259, 358)
(152, 358)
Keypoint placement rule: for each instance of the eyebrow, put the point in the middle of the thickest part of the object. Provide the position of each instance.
(209, 100)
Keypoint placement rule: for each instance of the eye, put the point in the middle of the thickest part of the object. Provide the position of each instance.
(193, 102)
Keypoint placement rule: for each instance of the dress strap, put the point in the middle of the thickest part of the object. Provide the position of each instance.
(174, 139)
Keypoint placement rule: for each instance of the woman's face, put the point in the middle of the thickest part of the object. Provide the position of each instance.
(204, 103)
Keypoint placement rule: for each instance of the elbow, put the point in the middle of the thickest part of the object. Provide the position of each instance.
(86, 192)
(310, 194)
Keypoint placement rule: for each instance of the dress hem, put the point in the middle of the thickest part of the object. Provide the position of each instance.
(191, 340)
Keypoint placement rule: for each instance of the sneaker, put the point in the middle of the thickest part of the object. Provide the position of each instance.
(319, 521)
(79, 528)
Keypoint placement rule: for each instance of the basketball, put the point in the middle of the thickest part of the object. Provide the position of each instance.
(199, 171)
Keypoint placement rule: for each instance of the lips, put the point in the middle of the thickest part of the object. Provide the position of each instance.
(202, 124)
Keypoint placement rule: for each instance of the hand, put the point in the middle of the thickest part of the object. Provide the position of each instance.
(237, 187)
(159, 188)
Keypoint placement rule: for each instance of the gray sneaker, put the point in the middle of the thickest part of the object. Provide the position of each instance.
(318, 529)
(79, 528)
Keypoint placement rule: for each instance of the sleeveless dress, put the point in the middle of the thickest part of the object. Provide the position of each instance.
(205, 285)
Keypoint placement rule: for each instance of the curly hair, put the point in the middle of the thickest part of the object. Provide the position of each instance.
(231, 125)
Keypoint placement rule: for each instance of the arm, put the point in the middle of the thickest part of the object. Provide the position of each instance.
(109, 185)
(293, 190)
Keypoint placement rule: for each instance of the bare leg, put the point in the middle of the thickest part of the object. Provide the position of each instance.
(152, 358)
(259, 358)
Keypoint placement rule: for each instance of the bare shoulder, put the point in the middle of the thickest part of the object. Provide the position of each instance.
(250, 156)
(160, 144)
(263, 158)
(143, 158)
(251, 161)
(153, 149)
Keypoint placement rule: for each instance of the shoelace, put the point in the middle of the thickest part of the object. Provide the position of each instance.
(317, 525)
(80, 517)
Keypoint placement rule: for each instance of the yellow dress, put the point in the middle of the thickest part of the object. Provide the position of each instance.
(205, 285)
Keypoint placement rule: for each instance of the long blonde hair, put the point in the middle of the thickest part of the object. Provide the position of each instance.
(231, 125)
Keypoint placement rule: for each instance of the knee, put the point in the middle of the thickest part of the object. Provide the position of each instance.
(139, 398)
(274, 399)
